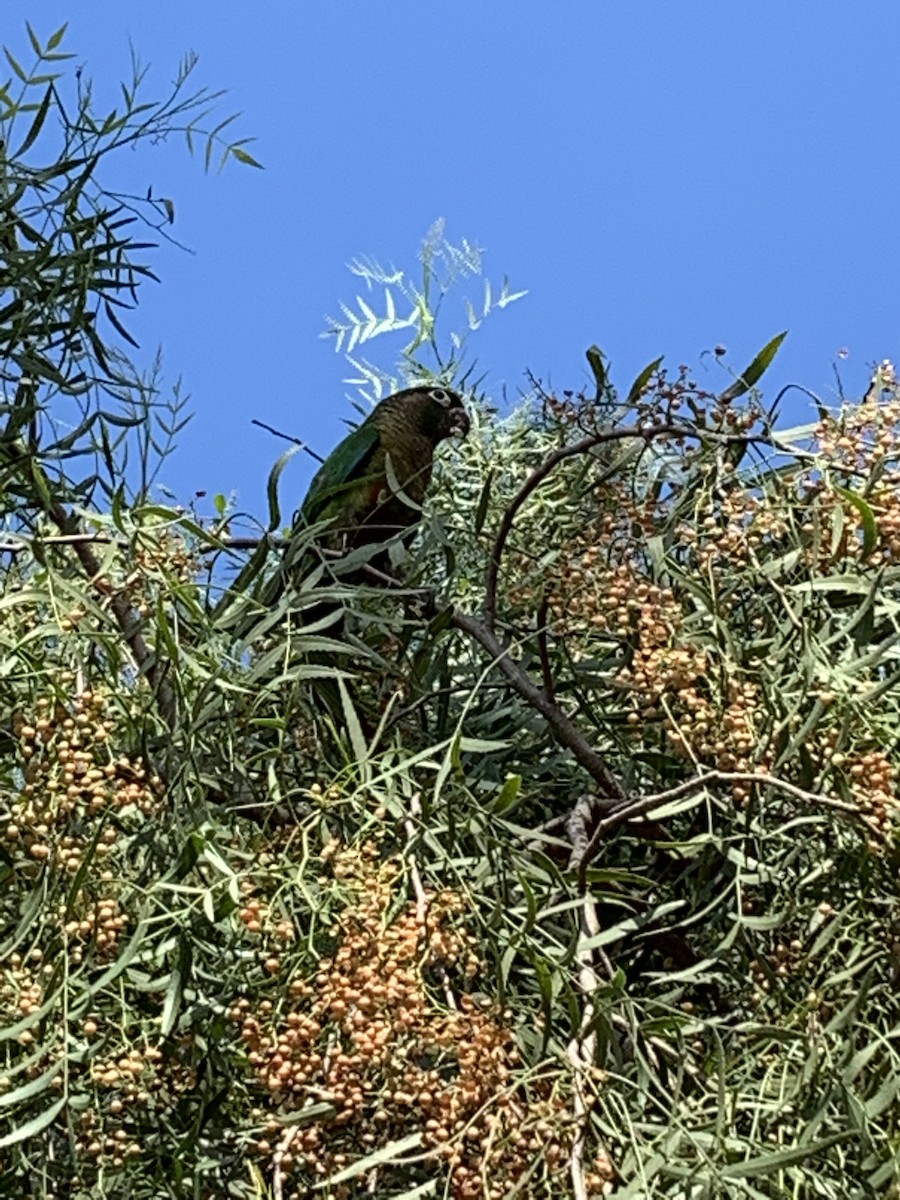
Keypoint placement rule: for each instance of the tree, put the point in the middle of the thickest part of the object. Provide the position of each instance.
(578, 880)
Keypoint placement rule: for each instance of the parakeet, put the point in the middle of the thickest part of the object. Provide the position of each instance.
(371, 486)
(363, 484)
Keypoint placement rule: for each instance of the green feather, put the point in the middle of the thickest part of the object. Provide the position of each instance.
(348, 462)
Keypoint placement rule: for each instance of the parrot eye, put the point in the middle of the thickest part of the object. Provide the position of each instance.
(445, 399)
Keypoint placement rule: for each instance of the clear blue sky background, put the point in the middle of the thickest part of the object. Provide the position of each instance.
(661, 176)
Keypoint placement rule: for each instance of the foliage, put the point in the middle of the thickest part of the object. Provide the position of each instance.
(445, 268)
(575, 876)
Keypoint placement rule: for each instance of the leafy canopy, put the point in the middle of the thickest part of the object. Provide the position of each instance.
(578, 879)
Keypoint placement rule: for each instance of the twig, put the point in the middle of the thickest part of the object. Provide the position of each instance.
(60, 539)
(543, 649)
(578, 822)
(562, 727)
(105, 539)
(778, 590)
(415, 811)
(582, 1049)
(761, 777)
(288, 438)
(285, 1142)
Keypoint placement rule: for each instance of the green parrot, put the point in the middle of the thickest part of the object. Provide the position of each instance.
(363, 484)
(371, 487)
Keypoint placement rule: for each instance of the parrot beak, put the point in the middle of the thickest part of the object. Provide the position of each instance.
(459, 422)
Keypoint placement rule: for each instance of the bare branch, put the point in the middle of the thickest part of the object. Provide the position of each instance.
(288, 438)
(106, 539)
(582, 1049)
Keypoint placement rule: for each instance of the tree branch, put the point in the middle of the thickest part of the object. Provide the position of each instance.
(544, 649)
(126, 618)
(562, 727)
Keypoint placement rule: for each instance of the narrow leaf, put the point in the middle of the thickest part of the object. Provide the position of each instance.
(755, 371)
(597, 364)
(37, 124)
(387, 1154)
(56, 38)
(867, 517)
(35, 1125)
(642, 380)
(243, 156)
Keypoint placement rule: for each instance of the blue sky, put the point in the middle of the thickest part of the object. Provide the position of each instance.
(660, 176)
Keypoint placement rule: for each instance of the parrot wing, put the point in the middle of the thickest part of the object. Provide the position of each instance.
(345, 465)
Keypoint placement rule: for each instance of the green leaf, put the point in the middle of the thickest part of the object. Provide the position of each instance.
(308, 1114)
(354, 728)
(56, 38)
(766, 1165)
(483, 501)
(35, 1125)
(272, 487)
(20, 74)
(33, 1087)
(35, 43)
(472, 745)
(429, 1188)
(172, 1003)
(507, 796)
(597, 363)
(642, 380)
(117, 325)
(37, 124)
(754, 372)
(244, 157)
(387, 1154)
(867, 516)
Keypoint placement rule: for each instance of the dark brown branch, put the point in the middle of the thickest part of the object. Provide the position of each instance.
(129, 625)
(288, 438)
(562, 727)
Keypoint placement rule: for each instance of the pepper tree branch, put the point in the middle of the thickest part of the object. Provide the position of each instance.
(563, 728)
(646, 433)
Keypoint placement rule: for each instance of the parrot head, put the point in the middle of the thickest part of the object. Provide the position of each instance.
(438, 412)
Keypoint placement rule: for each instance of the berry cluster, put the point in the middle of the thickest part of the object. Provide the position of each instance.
(383, 1042)
(72, 777)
